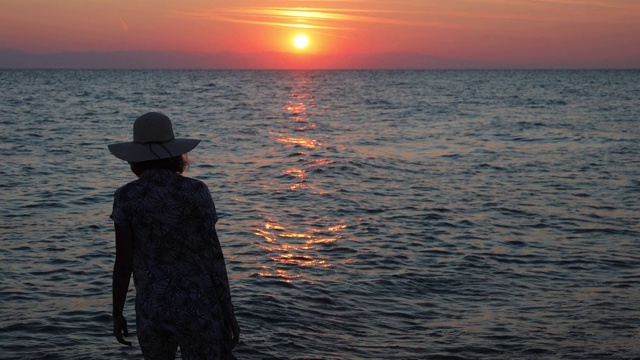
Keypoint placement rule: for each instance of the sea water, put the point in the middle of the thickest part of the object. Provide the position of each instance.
(363, 214)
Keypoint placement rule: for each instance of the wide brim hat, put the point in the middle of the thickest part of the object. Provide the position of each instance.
(153, 139)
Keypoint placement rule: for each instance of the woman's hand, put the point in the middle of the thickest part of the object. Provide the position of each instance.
(120, 329)
(235, 330)
(121, 276)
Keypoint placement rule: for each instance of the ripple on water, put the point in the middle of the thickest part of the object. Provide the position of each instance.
(440, 215)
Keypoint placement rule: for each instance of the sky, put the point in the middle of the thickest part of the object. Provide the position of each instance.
(510, 33)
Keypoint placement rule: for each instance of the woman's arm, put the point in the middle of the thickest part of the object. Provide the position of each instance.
(217, 268)
(121, 277)
(224, 291)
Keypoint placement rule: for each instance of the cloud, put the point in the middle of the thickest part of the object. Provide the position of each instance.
(620, 5)
(123, 25)
(311, 18)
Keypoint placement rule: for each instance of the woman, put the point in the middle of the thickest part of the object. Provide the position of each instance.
(165, 234)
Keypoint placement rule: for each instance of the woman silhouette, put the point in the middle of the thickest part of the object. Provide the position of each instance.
(166, 236)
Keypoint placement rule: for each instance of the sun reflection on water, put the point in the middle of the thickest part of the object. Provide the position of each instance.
(298, 174)
(283, 275)
(306, 143)
(296, 108)
(293, 250)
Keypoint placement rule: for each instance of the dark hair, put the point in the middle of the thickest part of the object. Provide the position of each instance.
(178, 164)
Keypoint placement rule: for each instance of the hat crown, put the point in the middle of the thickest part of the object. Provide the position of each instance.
(152, 127)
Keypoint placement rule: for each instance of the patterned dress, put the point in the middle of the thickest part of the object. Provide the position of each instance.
(182, 289)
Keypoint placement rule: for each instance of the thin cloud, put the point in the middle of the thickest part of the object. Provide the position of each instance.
(123, 25)
(599, 4)
(313, 18)
(227, 17)
(337, 18)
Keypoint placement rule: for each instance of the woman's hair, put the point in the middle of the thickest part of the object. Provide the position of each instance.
(178, 164)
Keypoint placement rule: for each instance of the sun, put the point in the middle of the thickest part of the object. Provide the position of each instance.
(301, 41)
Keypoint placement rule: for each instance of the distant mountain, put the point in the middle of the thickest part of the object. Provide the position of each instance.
(17, 59)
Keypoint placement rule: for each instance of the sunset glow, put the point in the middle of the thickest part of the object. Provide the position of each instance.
(339, 33)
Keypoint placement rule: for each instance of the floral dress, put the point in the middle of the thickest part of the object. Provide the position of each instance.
(182, 290)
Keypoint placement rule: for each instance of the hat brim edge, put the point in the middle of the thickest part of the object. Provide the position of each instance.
(137, 152)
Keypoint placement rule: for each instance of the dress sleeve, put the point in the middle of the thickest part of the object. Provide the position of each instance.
(210, 207)
(216, 266)
(118, 214)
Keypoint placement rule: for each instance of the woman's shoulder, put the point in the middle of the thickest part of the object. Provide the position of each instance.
(190, 180)
(128, 188)
(193, 183)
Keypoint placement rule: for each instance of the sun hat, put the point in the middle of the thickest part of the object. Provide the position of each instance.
(153, 139)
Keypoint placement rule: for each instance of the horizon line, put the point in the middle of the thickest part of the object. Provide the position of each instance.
(14, 58)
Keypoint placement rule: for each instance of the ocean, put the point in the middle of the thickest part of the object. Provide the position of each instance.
(363, 214)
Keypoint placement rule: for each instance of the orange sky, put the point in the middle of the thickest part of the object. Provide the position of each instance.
(538, 33)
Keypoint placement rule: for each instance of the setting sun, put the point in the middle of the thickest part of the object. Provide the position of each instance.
(301, 41)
